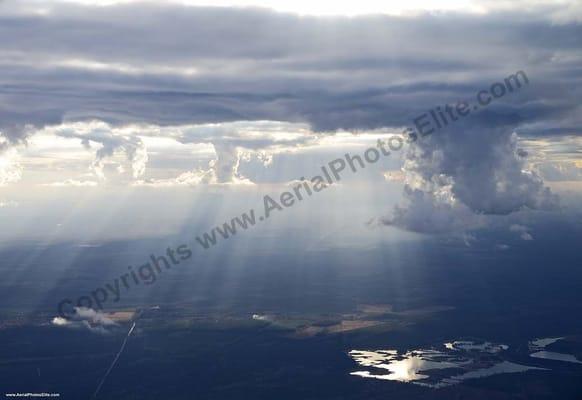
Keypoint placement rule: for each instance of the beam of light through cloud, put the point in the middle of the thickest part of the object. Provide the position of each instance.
(275, 83)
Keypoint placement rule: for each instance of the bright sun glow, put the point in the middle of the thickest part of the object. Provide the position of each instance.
(326, 8)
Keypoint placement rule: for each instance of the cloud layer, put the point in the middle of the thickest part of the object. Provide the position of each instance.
(336, 72)
(253, 83)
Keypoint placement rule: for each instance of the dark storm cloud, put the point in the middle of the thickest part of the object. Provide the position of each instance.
(169, 64)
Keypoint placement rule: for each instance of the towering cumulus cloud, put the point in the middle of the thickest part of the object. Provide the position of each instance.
(11, 138)
(108, 142)
(234, 141)
(467, 170)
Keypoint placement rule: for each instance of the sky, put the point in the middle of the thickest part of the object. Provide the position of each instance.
(143, 111)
